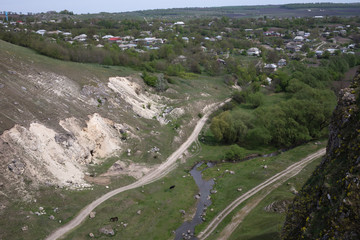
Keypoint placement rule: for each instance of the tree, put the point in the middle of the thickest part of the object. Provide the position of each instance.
(281, 79)
(258, 136)
(161, 83)
(107, 60)
(255, 99)
(221, 127)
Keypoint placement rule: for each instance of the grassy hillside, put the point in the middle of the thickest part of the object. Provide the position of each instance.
(30, 86)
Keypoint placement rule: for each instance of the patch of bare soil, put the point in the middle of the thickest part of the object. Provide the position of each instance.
(135, 170)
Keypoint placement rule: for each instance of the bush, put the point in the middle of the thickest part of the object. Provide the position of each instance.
(149, 79)
(175, 70)
(228, 106)
(108, 61)
(235, 153)
(240, 96)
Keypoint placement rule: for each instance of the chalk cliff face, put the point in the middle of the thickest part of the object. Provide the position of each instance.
(43, 156)
(328, 206)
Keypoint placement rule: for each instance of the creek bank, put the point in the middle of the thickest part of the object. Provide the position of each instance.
(186, 230)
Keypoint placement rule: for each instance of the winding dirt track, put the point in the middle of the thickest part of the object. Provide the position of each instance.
(152, 176)
(273, 182)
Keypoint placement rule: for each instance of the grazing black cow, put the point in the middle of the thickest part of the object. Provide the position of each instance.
(173, 186)
(114, 219)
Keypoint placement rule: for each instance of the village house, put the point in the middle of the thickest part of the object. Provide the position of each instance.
(54, 32)
(272, 33)
(41, 32)
(319, 53)
(293, 47)
(179, 24)
(66, 34)
(149, 41)
(270, 67)
(222, 61)
(331, 50)
(127, 46)
(114, 39)
(107, 36)
(185, 39)
(269, 80)
(300, 33)
(80, 38)
(282, 62)
(179, 59)
(145, 33)
(299, 39)
(253, 52)
(351, 46)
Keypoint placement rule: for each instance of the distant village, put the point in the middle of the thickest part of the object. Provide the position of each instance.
(298, 44)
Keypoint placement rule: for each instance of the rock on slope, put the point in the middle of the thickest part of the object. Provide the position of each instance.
(328, 206)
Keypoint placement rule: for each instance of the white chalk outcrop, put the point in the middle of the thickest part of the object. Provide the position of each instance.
(60, 158)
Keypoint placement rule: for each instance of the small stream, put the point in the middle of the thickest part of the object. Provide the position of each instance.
(186, 230)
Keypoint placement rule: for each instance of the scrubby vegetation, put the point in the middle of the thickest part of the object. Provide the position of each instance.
(302, 114)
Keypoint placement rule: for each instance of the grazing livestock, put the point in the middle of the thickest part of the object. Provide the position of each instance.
(173, 186)
(114, 219)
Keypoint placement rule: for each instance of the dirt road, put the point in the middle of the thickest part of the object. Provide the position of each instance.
(152, 176)
(272, 183)
(320, 45)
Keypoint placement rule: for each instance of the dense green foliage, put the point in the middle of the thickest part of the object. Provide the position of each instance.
(302, 116)
(149, 79)
(235, 153)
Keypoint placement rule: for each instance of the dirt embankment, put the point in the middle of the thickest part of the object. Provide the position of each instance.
(42, 155)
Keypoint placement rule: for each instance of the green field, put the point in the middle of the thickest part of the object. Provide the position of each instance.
(160, 206)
